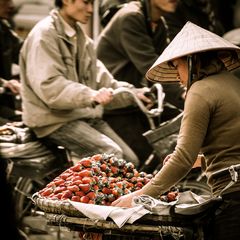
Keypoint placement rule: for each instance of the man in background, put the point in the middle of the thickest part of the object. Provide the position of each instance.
(10, 45)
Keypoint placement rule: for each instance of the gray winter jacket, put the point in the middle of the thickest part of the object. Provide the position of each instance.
(57, 85)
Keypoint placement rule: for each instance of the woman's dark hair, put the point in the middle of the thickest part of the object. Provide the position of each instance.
(205, 64)
(58, 3)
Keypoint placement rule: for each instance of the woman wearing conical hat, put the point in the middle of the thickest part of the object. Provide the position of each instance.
(202, 61)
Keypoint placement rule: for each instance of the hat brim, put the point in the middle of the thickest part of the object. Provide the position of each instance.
(191, 39)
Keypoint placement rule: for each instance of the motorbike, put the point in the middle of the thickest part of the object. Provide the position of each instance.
(32, 164)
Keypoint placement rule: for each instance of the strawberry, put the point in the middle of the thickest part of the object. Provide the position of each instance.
(76, 179)
(47, 192)
(96, 169)
(85, 187)
(59, 189)
(73, 188)
(76, 168)
(89, 180)
(58, 181)
(104, 167)
(59, 195)
(97, 157)
(106, 190)
(91, 195)
(85, 173)
(76, 198)
(80, 193)
(84, 199)
(86, 162)
(65, 175)
(114, 170)
(95, 188)
(66, 194)
(171, 196)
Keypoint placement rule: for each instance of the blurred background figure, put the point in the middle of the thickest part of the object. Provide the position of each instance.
(204, 13)
(10, 45)
(134, 34)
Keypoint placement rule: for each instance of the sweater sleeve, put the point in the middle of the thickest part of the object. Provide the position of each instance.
(192, 133)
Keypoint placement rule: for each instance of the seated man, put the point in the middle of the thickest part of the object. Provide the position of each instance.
(65, 87)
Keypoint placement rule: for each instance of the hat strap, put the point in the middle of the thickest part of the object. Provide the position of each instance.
(190, 73)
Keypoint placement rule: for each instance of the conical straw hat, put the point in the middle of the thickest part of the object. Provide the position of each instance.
(191, 39)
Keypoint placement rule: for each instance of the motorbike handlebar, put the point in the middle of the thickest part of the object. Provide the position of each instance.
(156, 92)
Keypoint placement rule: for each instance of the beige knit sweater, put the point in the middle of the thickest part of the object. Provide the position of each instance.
(211, 124)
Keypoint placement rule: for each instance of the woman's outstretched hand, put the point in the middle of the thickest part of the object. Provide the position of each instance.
(126, 200)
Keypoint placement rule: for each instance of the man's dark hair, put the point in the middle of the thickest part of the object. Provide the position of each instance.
(58, 3)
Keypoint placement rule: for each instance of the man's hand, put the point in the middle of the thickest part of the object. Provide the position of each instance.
(13, 85)
(103, 96)
(141, 95)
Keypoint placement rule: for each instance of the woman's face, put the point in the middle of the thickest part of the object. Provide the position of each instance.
(77, 10)
(182, 67)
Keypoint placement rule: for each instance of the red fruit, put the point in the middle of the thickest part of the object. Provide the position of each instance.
(86, 162)
(96, 169)
(76, 168)
(91, 195)
(73, 188)
(59, 195)
(92, 201)
(84, 199)
(114, 170)
(66, 194)
(96, 157)
(59, 189)
(76, 198)
(135, 173)
(171, 196)
(85, 173)
(88, 180)
(58, 182)
(80, 193)
(75, 178)
(77, 182)
(106, 190)
(133, 179)
(104, 167)
(65, 175)
(120, 185)
(95, 188)
(47, 192)
(116, 193)
(51, 184)
(139, 184)
(85, 187)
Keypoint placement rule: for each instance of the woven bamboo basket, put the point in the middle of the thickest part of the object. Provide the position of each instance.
(55, 206)
(62, 213)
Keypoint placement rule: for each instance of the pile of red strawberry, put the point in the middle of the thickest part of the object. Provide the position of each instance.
(99, 179)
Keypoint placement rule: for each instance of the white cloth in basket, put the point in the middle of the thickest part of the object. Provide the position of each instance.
(119, 215)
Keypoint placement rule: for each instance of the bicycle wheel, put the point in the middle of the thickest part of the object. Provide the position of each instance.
(24, 188)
